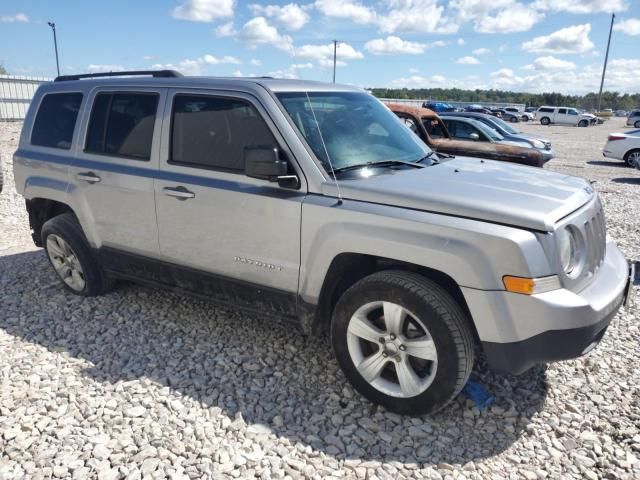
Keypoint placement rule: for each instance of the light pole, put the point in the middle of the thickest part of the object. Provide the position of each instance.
(55, 44)
(606, 58)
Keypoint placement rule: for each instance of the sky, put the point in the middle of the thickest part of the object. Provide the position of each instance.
(518, 45)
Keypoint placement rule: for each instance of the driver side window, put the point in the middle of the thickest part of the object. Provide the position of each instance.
(464, 130)
(213, 132)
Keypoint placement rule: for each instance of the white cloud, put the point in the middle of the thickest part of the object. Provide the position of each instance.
(582, 6)
(630, 26)
(417, 81)
(190, 66)
(550, 63)
(346, 9)
(322, 55)
(300, 66)
(460, 41)
(468, 60)
(203, 10)
(573, 39)
(93, 68)
(18, 17)
(211, 60)
(291, 16)
(147, 57)
(414, 70)
(481, 51)
(416, 16)
(257, 31)
(393, 45)
(255, 62)
(225, 30)
(516, 18)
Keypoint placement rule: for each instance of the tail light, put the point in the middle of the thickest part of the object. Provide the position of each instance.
(615, 137)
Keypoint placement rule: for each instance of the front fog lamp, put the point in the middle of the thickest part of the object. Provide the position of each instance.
(568, 249)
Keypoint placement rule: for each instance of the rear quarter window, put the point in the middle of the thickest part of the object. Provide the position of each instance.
(56, 120)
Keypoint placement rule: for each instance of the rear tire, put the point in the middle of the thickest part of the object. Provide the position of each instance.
(545, 121)
(632, 158)
(637, 124)
(403, 342)
(71, 257)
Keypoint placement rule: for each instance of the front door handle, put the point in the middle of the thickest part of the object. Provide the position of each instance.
(89, 177)
(180, 193)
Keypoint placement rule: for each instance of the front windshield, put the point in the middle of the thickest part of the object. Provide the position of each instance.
(504, 125)
(351, 128)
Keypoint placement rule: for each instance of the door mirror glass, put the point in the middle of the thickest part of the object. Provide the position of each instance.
(264, 163)
(474, 136)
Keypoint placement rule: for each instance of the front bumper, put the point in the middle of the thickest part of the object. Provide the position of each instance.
(547, 154)
(519, 331)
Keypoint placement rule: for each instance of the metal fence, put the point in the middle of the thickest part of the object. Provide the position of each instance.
(490, 105)
(16, 93)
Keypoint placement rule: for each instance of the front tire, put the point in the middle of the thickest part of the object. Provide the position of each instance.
(403, 342)
(583, 123)
(71, 257)
(545, 121)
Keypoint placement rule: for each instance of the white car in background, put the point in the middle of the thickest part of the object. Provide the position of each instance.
(564, 115)
(524, 116)
(624, 146)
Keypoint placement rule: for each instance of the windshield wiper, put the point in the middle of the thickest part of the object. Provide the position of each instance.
(385, 163)
(428, 156)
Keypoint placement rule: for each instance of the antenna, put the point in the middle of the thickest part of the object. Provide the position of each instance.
(335, 53)
(333, 173)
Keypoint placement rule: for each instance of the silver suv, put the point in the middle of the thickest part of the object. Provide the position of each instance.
(312, 202)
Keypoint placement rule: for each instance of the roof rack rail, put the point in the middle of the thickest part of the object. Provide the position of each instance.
(153, 73)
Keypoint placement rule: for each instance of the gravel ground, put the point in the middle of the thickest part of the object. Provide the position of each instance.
(148, 384)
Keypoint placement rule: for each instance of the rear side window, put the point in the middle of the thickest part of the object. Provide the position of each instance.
(211, 132)
(121, 124)
(56, 120)
(562, 110)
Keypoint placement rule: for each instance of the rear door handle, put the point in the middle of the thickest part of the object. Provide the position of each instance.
(89, 177)
(180, 193)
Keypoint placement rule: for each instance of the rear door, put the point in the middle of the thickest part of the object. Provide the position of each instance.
(114, 169)
(561, 116)
(232, 237)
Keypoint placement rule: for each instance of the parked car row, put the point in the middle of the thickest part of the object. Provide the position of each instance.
(475, 135)
(510, 114)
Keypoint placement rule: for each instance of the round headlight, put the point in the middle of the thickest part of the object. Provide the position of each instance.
(568, 248)
(538, 144)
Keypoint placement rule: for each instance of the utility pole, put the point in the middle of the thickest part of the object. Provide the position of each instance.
(606, 57)
(55, 44)
(335, 51)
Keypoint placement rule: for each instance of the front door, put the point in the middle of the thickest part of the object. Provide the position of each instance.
(239, 237)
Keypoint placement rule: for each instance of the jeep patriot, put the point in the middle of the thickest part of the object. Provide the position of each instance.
(313, 202)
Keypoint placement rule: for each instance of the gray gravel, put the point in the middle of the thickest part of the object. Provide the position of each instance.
(148, 384)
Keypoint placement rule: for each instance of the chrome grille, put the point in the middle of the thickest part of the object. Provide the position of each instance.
(595, 237)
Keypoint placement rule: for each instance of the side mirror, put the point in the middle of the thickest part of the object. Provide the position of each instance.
(264, 163)
(474, 136)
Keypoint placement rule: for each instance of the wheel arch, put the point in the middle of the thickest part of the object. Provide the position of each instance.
(41, 210)
(348, 268)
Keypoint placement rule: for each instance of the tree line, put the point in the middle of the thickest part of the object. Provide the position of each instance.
(613, 100)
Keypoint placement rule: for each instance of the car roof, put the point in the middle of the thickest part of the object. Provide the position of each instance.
(472, 121)
(244, 83)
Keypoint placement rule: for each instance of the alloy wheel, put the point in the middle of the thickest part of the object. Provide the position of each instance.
(392, 349)
(65, 262)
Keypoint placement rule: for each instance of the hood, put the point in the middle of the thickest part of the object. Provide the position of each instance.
(497, 192)
(520, 153)
(587, 115)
